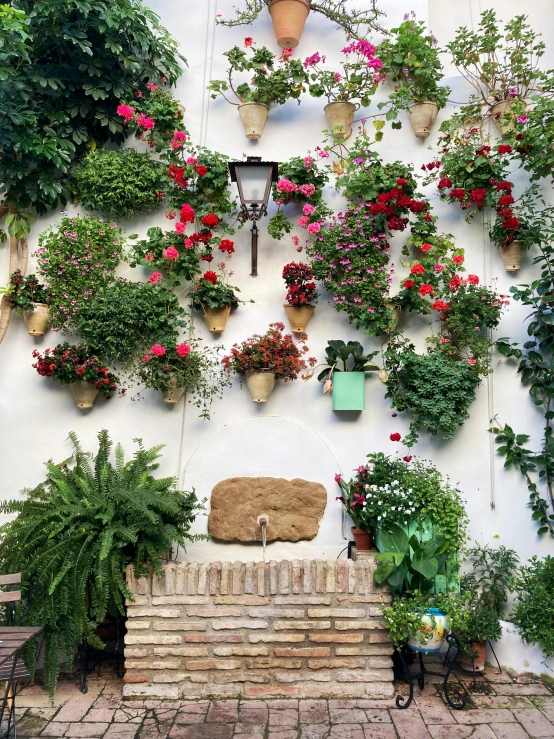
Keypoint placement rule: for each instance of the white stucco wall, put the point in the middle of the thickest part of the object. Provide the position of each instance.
(296, 434)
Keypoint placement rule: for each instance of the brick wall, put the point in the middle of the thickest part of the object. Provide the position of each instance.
(301, 628)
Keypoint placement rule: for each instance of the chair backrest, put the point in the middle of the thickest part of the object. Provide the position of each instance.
(10, 595)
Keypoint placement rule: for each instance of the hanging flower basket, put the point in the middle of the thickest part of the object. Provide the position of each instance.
(422, 117)
(260, 385)
(501, 110)
(511, 255)
(348, 391)
(84, 394)
(216, 318)
(339, 118)
(37, 320)
(253, 117)
(289, 17)
(299, 316)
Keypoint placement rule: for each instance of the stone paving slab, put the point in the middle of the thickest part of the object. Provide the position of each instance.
(498, 707)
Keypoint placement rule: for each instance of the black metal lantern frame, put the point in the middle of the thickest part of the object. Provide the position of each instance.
(254, 179)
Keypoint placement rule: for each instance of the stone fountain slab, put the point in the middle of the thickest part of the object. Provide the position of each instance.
(295, 508)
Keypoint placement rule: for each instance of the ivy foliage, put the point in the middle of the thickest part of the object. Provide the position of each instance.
(67, 66)
(119, 184)
(534, 588)
(75, 534)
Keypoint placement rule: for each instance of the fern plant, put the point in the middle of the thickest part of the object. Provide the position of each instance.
(74, 536)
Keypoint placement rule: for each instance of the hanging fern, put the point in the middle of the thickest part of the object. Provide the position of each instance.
(75, 534)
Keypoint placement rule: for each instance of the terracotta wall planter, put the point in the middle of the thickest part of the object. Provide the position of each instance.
(253, 117)
(289, 17)
(422, 117)
(172, 396)
(512, 255)
(260, 385)
(216, 318)
(84, 394)
(37, 320)
(299, 316)
(363, 539)
(500, 110)
(339, 118)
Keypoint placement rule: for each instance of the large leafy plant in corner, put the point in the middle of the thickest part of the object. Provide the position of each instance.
(69, 64)
(74, 535)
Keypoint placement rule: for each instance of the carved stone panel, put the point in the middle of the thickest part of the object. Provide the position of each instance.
(294, 508)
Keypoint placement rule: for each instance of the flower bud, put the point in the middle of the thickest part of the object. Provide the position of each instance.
(383, 375)
(328, 387)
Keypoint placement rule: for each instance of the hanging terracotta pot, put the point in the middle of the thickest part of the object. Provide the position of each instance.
(253, 117)
(299, 317)
(37, 320)
(182, 109)
(396, 313)
(501, 110)
(84, 394)
(422, 117)
(289, 17)
(512, 255)
(362, 539)
(478, 662)
(172, 396)
(260, 385)
(339, 118)
(216, 318)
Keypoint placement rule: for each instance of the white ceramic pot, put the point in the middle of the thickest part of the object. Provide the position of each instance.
(432, 632)
(260, 385)
(422, 117)
(253, 117)
(37, 320)
(339, 117)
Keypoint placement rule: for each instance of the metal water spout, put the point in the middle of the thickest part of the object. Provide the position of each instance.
(263, 521)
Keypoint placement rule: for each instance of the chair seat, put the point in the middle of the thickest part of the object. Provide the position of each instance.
(19, 672)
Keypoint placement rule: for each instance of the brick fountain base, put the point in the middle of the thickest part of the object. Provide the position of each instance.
(301, 628)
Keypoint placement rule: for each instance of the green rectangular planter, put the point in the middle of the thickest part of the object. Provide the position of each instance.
(349, 391)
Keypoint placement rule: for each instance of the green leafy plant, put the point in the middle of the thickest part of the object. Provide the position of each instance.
(77, 256)
(24, 291)
(404, 617)
(119, 184)
(188, 366)
(533, 134)
(70, 363)
(123, 319)
(406, 491)
(356, 22)
(66, 69)
(534, 588)
(357, 82)
(499, 63)
(536, 372)
(408, 564)
(436, 389)
(357, 278)
(272, 80)
(411, 59)
(342, 357)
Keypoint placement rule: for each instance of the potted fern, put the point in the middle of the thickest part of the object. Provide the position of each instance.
(74, 535)
(272, 81)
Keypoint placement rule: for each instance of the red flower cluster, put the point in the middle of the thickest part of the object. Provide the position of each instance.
(210, 276)
(210, 220)
(395, 204)
(298, 278)
(226, 246)
(273, 352)
(69, 363)
(178, 174)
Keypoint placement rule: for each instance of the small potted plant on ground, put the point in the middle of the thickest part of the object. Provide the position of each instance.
(79, 368)
(289, 17)
(30, 297)
(344, 375)
(410, 56)
(302, 295)
(174, 369)
(272, 81)
(348, 90)
(500, 64)
(263, 359)
(485, 590)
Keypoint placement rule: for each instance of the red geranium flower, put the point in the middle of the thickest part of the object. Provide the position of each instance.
(210, 276)
(417, 269)
(409, 283)
(440, 305)
(395, 437)
(210, 220)
(408, 458)
(426, 289)
(458, 260)
(227, 246)
(201, 170)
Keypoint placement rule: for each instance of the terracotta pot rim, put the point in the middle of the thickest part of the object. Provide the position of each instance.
(424, 102)
(342, 102)
(250, 102)
(306, 305)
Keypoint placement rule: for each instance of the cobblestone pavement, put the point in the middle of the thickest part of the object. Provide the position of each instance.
(500, 708)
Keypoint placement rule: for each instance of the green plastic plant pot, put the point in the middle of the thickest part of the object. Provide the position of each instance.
(349, 391)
